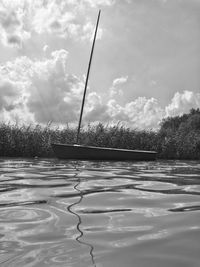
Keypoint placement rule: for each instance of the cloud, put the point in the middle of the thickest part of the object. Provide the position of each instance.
(39, 91)
(95, 109)
(8, 95)
(51, 17)
(88, 31)
(182, 103)
(12, 28)
(96, 3)
(117, 84)
(13, 97)
(142, 113)
(19, 20)
(120, 80)
(42, 88)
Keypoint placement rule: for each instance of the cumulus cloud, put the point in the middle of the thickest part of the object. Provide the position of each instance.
(95, 109)
(51, 17)
(7, 100)
(13, 97)
(88, 31)
(42, 90)
(144, 113)
(182, 103)
(116, 88)
(12, 30)
(19, 20)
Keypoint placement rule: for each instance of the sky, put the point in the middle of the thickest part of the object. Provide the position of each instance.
(145, 65)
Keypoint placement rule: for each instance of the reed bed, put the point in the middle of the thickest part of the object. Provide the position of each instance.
(177, 138)
(35, 140)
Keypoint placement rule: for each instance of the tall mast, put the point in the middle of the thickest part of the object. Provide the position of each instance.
(87, 77)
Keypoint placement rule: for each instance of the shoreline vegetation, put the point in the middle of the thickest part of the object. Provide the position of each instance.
(177, 138)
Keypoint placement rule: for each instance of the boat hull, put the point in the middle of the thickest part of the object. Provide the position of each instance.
(80, 152)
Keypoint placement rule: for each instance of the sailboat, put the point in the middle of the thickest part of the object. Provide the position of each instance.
(82, 152)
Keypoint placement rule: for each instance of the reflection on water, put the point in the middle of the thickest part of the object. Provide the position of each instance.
(70, 209)
(67, 213)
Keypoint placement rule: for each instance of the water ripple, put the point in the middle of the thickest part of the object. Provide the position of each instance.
(68, 213)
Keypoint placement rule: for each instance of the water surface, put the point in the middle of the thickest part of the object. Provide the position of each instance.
(67, 213)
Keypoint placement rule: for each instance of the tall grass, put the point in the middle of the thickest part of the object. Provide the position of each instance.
(35, 140)
(177, 138)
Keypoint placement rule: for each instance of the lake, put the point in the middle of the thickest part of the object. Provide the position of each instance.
(103, 214)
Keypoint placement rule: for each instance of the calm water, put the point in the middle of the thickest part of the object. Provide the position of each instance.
(59, 213)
